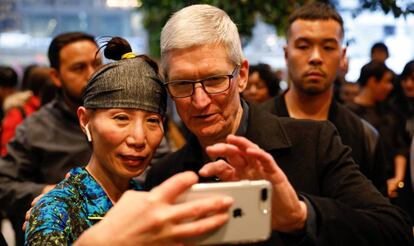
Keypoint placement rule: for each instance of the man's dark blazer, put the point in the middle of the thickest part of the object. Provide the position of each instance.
(359, 135)
(349, 210)
(2, 240)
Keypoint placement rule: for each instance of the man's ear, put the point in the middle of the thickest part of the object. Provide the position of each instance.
(344, 59)
(343, 55)
(243, 75)
(54, 74)
(285, 52)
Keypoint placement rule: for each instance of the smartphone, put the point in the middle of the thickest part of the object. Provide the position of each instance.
(249, 216)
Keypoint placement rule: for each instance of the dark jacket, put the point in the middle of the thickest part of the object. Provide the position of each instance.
(367, 149)
(349, 210)
(390, 127)
(46, 146)
(2, 240)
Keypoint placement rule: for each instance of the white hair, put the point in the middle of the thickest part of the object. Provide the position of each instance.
(200, 24)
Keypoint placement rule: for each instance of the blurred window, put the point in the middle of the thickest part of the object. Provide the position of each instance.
(28, 3)
(73, 22)
(39, 25)
(111, 25)
(389, 30)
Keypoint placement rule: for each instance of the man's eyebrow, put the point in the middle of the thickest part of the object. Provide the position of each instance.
(324, 40)
(204, 76)
(78, 63)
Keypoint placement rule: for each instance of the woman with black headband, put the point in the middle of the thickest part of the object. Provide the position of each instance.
(122, 114)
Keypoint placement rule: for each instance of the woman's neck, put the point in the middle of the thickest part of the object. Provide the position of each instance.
(114, 186)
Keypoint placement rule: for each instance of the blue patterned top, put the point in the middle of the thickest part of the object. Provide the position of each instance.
(66, 211)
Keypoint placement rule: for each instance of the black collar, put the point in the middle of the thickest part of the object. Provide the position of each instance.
(266, 130)
(281, 108)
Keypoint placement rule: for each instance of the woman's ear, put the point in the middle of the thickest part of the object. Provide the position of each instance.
(83, 116)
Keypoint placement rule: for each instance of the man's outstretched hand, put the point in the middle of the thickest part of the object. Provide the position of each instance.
(246, 160)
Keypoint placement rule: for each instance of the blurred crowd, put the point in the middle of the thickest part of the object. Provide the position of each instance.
(55, 120)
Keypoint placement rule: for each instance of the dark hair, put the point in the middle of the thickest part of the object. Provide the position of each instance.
(313, 12)
(268, 76)
(372, 69)
(116, 47)
(8, 77)
(61, 41)
(379, 46)
(26, 74)
(408, 71)
(38, 78)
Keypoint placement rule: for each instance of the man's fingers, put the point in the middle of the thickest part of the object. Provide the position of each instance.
(221, 150)
(231, 153)
(269, 165)
(26, 219)
(220, 169)
(265, 159)
(47, 188)
(241, 142)
(36, 199)
(170, 189)
(27, 215)
(24, 226)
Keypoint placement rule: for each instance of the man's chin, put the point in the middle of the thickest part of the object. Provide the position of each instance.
(314, 90)
(208, 132)
(74, 99)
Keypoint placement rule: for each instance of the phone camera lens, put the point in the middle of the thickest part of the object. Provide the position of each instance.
(264, 194)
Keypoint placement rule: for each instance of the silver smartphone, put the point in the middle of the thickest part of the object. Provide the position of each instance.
(249, 216)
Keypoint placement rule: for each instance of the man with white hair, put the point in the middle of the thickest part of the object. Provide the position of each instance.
(319, 195)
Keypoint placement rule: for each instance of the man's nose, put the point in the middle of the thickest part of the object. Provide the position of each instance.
(200, 97)
(315, 57)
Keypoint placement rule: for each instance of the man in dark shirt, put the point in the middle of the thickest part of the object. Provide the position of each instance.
(313, 55)
(319, 195)
(376, 84)
(49, 142)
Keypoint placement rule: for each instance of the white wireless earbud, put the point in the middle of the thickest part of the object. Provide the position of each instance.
(88, 133)
(162, 126)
